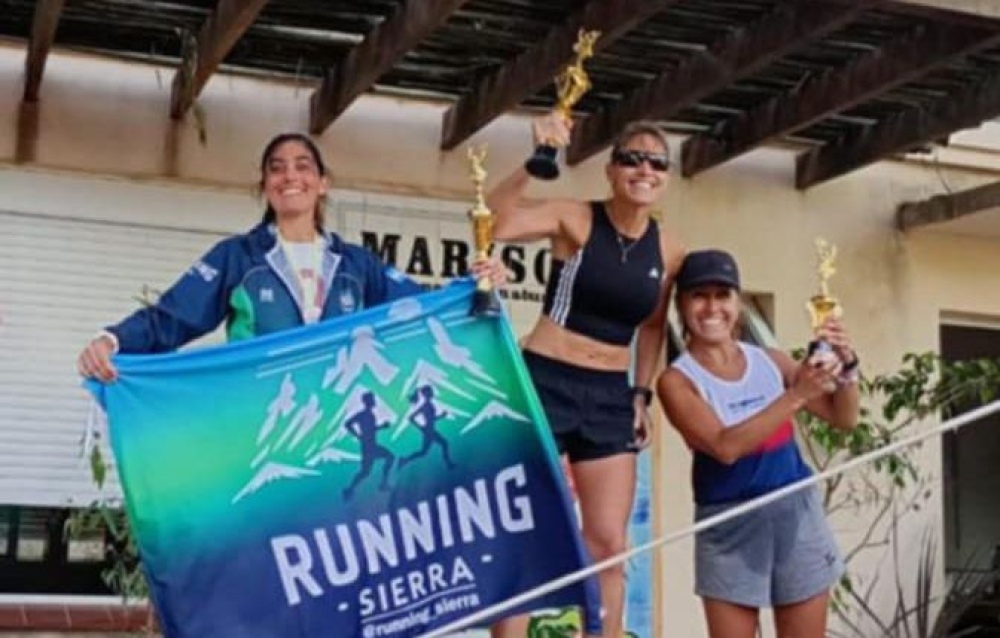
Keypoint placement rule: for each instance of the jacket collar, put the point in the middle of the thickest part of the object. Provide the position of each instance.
(265, 235)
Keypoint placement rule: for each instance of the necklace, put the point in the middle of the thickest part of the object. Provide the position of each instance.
(626, 246)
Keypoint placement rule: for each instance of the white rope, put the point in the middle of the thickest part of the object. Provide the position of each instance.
(718, 519)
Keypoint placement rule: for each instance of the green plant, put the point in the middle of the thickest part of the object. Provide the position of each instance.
(892, 404)
(106, 518)
(893, 487)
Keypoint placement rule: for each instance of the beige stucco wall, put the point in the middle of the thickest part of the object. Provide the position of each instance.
(984, 8)
(110, 119)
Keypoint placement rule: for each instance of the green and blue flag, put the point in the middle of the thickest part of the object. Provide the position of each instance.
(381, 474)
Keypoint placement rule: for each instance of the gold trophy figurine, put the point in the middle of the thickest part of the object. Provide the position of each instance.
(571, 83)
(823, 305)
(485, 301)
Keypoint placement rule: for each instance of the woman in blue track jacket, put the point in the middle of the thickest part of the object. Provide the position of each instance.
(285, 272)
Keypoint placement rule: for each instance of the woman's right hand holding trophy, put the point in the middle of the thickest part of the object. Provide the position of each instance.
(552, 129)
(552, 132)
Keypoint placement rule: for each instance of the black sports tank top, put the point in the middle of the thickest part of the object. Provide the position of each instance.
(610, 285)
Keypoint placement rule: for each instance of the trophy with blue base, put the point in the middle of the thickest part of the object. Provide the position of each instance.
(823, 305)
(485, 301)
(571, 84)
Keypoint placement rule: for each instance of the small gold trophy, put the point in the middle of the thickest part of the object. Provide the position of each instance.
(571, 83)
(485, 301)
(823, 305)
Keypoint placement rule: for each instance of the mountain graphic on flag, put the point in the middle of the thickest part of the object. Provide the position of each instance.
(303, 431)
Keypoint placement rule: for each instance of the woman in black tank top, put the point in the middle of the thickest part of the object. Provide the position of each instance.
(612, 269)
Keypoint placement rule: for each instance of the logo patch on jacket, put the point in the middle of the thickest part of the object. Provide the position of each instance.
(206, 272)
(266, 295)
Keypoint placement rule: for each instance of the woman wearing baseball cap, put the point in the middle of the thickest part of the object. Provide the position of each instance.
(735, 406)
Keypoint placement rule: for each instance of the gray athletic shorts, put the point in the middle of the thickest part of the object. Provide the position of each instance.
(780, 554)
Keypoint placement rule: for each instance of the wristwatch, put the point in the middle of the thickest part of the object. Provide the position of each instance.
(852, 364)
(849, 373)
(645, 393)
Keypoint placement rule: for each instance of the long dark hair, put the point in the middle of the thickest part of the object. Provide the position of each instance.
(269, 214)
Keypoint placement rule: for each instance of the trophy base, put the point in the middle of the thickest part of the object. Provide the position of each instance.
(818, 346)
(820, 352)
(542, 164)
(486, 303)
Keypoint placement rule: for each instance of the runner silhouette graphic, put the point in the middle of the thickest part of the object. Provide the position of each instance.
(365, 426)
(426, 417)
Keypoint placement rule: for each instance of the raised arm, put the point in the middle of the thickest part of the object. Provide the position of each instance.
(702, 429)
(520, 219)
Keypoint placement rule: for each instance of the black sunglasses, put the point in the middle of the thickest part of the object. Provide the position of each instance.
(633, 159)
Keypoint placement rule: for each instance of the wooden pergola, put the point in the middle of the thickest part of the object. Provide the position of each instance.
(850, 81)
(947, 207)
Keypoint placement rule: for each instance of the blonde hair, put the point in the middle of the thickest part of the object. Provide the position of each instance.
(637, 128)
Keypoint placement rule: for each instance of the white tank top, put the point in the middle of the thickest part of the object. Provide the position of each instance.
(775, 463)
(737, 401)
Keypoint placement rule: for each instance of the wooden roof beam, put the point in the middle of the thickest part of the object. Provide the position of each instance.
(368, 61)
(977, 9)
(509, 85)
(43, 34)
(874, 73)
(912, 128)
(787, 28)
(218, 35)
(942, 208)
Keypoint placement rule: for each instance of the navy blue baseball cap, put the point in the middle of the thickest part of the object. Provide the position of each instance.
(704, 267)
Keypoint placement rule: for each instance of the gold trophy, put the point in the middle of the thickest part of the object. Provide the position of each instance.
(823, 305)
(485, 301)
(571, 84)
